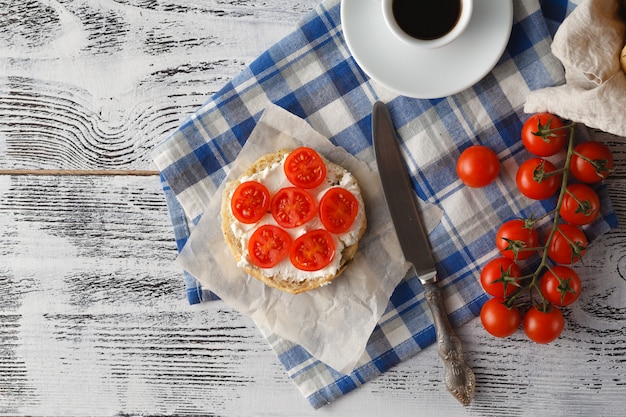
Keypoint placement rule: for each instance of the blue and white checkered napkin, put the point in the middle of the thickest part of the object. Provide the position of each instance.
(311, 74)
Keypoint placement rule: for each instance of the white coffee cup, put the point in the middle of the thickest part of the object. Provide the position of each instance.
(427, 23)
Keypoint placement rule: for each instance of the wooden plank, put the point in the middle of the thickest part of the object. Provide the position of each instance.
(95, 306)
(93, 84)
(93, 316)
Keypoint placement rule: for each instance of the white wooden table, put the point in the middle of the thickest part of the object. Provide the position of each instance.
(93, 316)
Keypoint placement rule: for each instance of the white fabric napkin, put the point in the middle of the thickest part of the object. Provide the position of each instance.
(588, 44)
(335, 321)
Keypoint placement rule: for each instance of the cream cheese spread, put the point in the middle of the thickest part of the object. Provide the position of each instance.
(274, 178)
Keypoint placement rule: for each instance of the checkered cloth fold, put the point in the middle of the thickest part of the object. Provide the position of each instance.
(311, 74)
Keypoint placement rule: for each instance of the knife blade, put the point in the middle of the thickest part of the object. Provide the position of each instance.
(404, 210)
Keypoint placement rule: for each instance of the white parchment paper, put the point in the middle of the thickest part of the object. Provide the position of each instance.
(333, 322)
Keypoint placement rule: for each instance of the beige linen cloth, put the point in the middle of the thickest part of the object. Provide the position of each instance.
(589, 44)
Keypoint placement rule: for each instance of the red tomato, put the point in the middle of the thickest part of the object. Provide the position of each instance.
(534, 179)
(498, 277)
(338, 210)
(514, 237)
(543, 327)
(305, 168)
(560, 285)
(250, 202)
(313, 250)
(292, 207)
(591, 162)
(498, 319)
(544, 134)
(568, 244)
(477, 166)
(581, 204)
(268, 245)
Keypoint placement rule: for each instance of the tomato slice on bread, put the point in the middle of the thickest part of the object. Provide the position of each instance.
(338, 210)
(250, 202)
(313, 250)
(292, 207)
(268, 245)
(305, 168)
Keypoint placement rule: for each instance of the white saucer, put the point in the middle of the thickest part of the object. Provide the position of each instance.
(426, 73)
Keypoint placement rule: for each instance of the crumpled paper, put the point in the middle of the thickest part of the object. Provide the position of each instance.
(334, 322)
(588, 44)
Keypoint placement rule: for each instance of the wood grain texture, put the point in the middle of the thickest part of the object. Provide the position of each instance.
(97, 84)
(93, 316)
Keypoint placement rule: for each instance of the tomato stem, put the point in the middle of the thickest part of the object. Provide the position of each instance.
(600, 165)
(534, 277)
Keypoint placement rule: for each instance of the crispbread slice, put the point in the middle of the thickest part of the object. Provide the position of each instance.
(285, 283)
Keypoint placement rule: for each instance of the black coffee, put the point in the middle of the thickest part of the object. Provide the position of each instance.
(426, 19)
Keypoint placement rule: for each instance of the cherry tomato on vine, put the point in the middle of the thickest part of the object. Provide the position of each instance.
(250, 202)
(514, 236)
(338, 209)
(477, 166)
(292, 207)
(538, 179)
(305, 168)
(498, 319)
(544, 134)
(560, 285)
(268, 245)
(498, 277)
(568, 244)
(313, 250)
(581, 204)
(591, 162)
(543, 327)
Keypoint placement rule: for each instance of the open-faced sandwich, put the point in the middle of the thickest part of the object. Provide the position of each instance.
(293, 219)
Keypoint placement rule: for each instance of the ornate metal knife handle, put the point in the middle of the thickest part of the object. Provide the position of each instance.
(459, 378)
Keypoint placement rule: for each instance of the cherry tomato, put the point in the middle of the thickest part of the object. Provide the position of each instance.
(514, 236)
(498, 277)
(581, 204)
(268, 245)
(313, 250)
(292, 207)
(591, 162)
(250, 202)
(338, 210)
(305, 168)
(498, 319)
(543, 327)
(534, 179)
(568, 244)
(544, 134)
(477, 166)
(560, 285)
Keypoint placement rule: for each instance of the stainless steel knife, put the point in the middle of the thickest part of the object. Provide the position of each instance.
(402, 204)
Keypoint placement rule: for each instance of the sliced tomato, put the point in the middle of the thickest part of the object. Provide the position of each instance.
(313, 250)
(292, 207)
(250, 202)
(305, 168)
(338, 210)
(268, 245)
